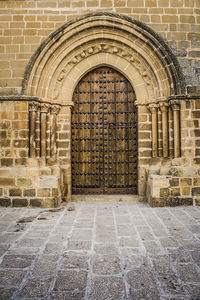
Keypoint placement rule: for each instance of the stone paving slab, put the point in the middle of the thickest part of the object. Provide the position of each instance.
(100, 250)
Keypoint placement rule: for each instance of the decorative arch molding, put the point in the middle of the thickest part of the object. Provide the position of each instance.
(105, 38)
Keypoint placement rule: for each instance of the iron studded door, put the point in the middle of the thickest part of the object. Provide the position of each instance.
(104, 134)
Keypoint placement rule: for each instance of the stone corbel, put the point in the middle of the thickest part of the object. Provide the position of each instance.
(33, 107)
(175, 104)
(163, 105)
(44, 108)
(54, 111)
(153, 107)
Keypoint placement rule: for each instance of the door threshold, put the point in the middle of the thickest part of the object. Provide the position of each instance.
(118, 198)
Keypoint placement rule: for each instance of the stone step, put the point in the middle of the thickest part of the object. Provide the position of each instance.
(123, 198)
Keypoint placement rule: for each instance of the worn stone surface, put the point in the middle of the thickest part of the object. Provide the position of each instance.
(156, 257)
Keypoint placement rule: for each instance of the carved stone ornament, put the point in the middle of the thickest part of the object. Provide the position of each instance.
(130, 56)
(175, 104)
(163, 105)
(44, 107)
(33, 106)
(55, 109)
(153, 107)
(109, 49)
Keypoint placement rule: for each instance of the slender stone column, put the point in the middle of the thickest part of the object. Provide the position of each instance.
(43, 115)
(176, 117)
(48, 135)
(171, 133)
(33, 107)
(37, 133)
(54, 111)
(160, 146)
(153, 107)
(164, 110)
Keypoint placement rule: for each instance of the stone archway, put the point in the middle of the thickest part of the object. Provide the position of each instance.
(126, 45)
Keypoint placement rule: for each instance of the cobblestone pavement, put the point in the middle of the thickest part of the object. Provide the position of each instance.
(100, 250)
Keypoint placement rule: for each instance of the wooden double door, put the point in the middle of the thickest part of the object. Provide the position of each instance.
(104, 134)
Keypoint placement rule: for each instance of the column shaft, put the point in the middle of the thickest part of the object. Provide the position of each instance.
(32, 121)
(164, 110)
(43, 134)
(176, 116)
(54, 111)
(32, 134)
(37, 134)
(53, 135)
(153, 109)
(171, 133)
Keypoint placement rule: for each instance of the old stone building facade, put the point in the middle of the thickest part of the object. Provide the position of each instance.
(99, 97)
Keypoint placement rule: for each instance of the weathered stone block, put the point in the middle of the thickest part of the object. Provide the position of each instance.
(15, 192)
(170, 201)
(37, 202)
(5, 143)
(44, 192)
(20, 161)
(7, 162)
(175, 192)
(51, 202)
(48, 181)
(196, 191)
(174, 182)
(20, 143)
(7, 181)
(20, 202)
(196, 181)
(24, 182)
(185, 181)
(4, 172)
(186, 191)
(29, 193)
(164, 192)
(5, 202)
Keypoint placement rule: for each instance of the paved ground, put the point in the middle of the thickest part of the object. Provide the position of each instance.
(97, 251)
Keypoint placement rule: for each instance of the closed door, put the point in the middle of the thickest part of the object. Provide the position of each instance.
(104, 134)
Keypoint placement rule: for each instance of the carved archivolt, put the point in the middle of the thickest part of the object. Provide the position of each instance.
(132, 46)
(130, 56)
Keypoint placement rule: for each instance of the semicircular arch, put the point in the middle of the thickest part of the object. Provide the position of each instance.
(103, 38)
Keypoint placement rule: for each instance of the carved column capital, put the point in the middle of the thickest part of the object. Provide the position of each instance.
(163, 106)
(55, 109)
(33, 106)
(153, 107)
(44, 107)
(175, 104)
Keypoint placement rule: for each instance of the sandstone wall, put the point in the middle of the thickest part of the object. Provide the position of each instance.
(26, 24)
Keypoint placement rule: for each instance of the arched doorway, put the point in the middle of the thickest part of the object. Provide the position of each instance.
(137, 52)
(104, 134)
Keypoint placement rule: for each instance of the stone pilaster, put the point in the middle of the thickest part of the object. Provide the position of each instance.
(33, 107)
